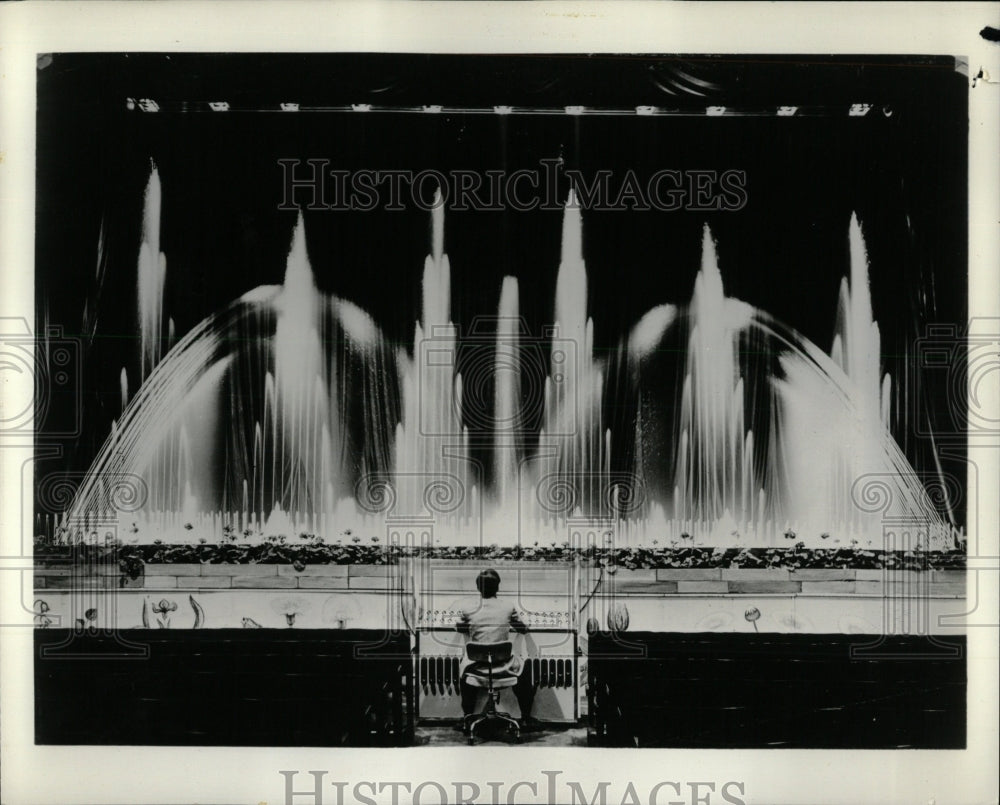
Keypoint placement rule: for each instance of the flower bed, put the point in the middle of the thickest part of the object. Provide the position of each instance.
(132, 559)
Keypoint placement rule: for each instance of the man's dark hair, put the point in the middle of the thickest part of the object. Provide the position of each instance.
(488, 582)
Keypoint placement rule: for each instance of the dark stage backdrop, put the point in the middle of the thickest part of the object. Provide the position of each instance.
(901, 167)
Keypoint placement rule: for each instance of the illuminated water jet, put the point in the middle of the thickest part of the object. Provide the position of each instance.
(290, 412)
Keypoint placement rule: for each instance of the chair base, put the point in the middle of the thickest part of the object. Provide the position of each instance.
(491, 714)
(504, 718)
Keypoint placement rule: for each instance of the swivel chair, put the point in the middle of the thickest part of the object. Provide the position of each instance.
(485, 658)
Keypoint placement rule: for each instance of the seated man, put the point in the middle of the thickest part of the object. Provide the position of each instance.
(491, 622)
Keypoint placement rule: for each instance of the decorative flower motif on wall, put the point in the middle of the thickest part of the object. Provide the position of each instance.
(290, 607)
(163, 608)
(88, 623)
(199, 613)
(41, 609)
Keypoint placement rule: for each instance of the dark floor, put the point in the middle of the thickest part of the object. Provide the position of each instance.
(802, 691)
(284, 687)
(222, 687)
(445, 734)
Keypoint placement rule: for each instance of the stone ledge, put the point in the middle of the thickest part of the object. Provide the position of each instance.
(369, 582)
(638, 574)
(264, 582)
(689, 574)
(627, 586)
(717, 587)
(841, 586)
(823, 574)
(540, 579)
(945, 589)
(370, 570)
(760, 586)
(322, 582)
(551, 579)
(948, 575)
(239, 570)
(101, 569)
(160, 582)
(80, 582)
(755, 574)
(204, 582)
(313, 570)
(168, 569)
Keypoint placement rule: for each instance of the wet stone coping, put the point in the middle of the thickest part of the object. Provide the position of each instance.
(540, 577)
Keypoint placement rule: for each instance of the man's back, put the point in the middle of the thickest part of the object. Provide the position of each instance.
(491, 621)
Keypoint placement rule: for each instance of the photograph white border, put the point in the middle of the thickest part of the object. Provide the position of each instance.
(90, 774)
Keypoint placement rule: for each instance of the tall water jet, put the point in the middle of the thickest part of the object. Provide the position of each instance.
(152, 272)
(857, 341)
(123, 386)
(238, 424)
(833, 442)
(848, 434)
(573, 417)
(711, 438)
(432, 441)
(300, 401)
(642, 348)
(507, 420)
(263, 416)
(570, 356)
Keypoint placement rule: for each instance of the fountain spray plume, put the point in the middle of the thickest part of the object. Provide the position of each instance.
(152, 273)
(714, 481)
(831, 443)
(575, 385)
(250, 421)
(507, 395)
(432, 441)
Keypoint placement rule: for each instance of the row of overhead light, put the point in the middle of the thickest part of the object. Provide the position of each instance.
(854, 110)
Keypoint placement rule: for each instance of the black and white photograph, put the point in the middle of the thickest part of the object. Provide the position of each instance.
(579, 402)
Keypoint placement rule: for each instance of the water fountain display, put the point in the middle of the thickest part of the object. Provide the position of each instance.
(289, 411)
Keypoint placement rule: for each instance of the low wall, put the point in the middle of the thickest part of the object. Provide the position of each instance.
(362, 596)
(223, 687)
(795, 691)
(545, 577)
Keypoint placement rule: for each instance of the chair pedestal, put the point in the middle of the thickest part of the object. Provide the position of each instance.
(488, 714)
(490, 657)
